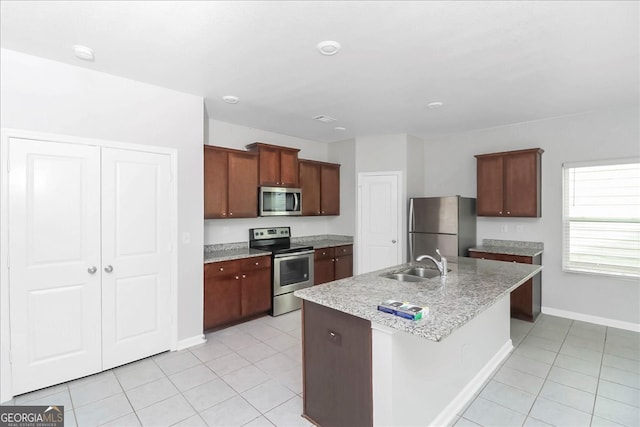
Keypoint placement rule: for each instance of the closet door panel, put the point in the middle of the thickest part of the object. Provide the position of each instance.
(54, 277)
(135, 255)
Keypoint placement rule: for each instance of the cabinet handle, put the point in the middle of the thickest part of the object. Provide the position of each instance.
(500, 212)
(333, 260)
(224, 214)
(237, 277)
(508, 213)
(230, 213)
(92, 270)
(221, 268)
(257, 263)
(108, 268)
(322, 211)
(324, 253)
(244, 276)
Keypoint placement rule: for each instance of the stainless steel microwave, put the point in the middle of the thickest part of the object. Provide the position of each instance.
(280, 201)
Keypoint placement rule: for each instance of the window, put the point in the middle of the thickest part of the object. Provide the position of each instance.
(601, 218)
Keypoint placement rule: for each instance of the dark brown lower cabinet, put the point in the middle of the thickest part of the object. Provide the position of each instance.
(336, 368)
(236, 289)
(333, 263)
(526, 300)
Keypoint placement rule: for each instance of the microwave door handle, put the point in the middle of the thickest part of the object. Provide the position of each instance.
(296, 202)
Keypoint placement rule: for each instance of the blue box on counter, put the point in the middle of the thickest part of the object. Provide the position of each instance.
(403, 309)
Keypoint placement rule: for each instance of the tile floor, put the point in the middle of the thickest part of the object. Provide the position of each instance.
(561, 372)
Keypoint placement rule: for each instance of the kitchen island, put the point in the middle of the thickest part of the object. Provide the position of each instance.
(366, 367)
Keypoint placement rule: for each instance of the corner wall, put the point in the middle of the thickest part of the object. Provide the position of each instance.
(597, 135)
(47, 96)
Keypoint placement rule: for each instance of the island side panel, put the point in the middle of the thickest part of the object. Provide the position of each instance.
(431, 381)
(336, 367)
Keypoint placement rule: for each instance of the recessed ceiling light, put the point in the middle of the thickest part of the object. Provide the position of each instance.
(328, 47)
(339, 128)
(83, 52)
(435, 104)
(324, 119)
(230, 99)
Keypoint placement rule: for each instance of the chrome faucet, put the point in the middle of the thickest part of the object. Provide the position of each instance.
(442, 264)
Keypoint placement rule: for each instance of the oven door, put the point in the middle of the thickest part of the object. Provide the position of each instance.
(292, 272)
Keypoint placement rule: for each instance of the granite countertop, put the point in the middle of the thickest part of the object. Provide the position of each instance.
(231, 254)
(510, 247)
(239, 250)
(472, 286)
(327, 241)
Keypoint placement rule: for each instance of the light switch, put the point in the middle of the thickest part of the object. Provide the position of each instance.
(504, 228)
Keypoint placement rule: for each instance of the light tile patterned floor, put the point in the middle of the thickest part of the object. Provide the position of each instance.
(561, 372)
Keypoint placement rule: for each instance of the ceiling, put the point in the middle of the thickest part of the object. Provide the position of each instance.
(490, 63)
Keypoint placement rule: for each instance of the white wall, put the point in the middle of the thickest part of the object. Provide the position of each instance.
(47, 96)
(607, 134)
(229, 135)
(344, 153)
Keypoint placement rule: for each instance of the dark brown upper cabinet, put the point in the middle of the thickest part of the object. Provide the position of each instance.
(320, 184)
(278, 165)
(230, 183)
(510, 183)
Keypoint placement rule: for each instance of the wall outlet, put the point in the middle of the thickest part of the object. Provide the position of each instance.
(504, 228)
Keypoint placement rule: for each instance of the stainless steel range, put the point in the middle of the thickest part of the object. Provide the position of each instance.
(292, 266)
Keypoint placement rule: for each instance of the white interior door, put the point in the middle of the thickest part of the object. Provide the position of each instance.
(135, 255)
(379, 240)
(54, 276)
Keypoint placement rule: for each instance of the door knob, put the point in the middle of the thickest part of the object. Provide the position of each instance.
(92, 270)
(393, 241)
(108, 268)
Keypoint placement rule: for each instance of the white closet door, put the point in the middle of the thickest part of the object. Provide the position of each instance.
(54, 245)
(135, 255)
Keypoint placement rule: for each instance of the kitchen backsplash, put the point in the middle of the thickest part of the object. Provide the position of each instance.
(512, 244)
(243, 245)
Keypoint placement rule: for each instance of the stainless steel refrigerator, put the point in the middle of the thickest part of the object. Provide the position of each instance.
(446, 223)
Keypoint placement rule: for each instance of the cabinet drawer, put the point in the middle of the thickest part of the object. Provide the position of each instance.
(255, 263)
(343, 250)
(485, 255)
(222, 268)
(323, 253)
(517, 258)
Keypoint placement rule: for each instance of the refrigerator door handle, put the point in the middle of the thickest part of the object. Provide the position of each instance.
(412, 221)
(411, 247)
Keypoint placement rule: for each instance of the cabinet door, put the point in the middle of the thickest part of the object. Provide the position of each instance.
(215, 183)
(310, 185)
(269, 166)
(490, 181)
(323, 266)
(337, 367)
(256, 291)
(521, 184)
(343, 266)
(243, 185)
(289, 168)
(330, 190)
(222, 289)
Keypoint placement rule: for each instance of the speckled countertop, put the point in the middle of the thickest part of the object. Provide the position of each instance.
(472, 286)
(238, 250)
(510, 247)
(324, 241)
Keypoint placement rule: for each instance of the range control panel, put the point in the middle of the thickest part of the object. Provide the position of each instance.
(269, 233)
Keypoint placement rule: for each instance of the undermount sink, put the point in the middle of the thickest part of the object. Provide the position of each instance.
(413, 274)
(425, 273)
(402, 277)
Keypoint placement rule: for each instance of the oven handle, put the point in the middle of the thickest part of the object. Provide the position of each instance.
(293, 255)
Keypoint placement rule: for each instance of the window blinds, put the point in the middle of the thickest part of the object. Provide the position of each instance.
(601, 217)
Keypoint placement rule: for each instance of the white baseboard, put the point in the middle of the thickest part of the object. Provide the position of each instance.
(635, 327)
(190, 342)
(449, 413)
